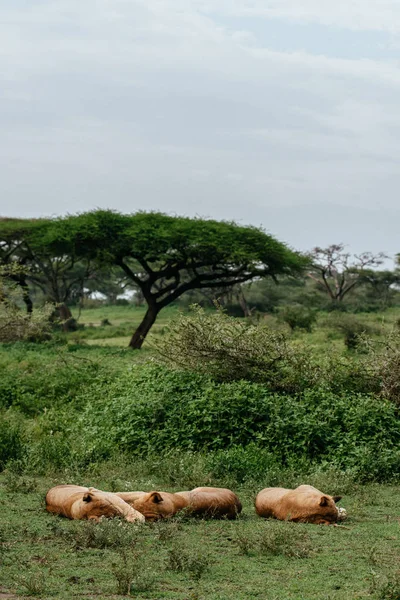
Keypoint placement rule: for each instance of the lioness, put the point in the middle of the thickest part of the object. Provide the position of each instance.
(214, 502)
(305, 504)
(77, 502)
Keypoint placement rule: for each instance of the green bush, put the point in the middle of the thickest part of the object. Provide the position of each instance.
(153, 410)
(189, 427)
(383, 361)
(229, 349)
(33, 380)
(15, 323)
(298, 317)
(352, 329)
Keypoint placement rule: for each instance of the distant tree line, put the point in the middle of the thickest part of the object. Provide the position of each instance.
(162, 260)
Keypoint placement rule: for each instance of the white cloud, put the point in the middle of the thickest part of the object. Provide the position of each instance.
(375, 15)
(154, 104)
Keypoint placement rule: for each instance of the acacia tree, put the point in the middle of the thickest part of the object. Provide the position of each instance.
(55, 271)
(14, 253)
(167, 256)
(336, 272)
(382, 286)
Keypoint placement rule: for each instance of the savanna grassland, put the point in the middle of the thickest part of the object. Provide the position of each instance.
(268, 411)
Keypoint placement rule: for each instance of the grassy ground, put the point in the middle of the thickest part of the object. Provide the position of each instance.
(124, 320)
(183, 559)
(49, 557)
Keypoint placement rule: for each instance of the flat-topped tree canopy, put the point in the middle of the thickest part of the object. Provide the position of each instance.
(168, 255)
(15, 234)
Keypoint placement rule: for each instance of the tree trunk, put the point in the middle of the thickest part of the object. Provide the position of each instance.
(144, 328)
(68, 323)
(27, 299)
(243, 303)
(21, 281)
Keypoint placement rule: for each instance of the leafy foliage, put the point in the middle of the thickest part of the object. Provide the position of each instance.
(351, 327)
(298, 317)
(34, 381)
(153, 410)
(228, 349)
(384, 362)
(167, 256)
(193, 427)
(15, 324)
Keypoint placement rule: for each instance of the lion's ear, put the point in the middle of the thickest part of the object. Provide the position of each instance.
(156, 498)
(324, 501)
(87, 497)
(336, 498)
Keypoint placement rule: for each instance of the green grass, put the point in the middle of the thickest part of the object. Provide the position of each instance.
(125, 319)
(51, 557)
(123, 322)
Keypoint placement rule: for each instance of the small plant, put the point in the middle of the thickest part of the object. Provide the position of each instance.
(131, 575)
(194, 562)
(245, 542)
(34, 584)
(391, 589)
(109, 533)
(5, 537)
(373, 556)
(284, 539)
(167, 530)
(119, 485)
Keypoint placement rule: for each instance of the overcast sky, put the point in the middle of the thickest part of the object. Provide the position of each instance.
(280, 113)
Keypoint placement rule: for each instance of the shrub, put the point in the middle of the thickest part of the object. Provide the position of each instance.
(298, 317)
(35, 381)
(240, 464)
(131, 574)
(285, 539)
(384, 363)
(193, 561)
(228, 349)
(153, 411)
(352, 329)
(15, 483)
(373, 462)
(109, 533)
(15, 323)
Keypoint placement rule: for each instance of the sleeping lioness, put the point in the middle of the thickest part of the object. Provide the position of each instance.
(77, 502)
(305, 504)
(206, 501)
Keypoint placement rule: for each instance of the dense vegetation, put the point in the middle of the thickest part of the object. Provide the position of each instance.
(246, 397)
